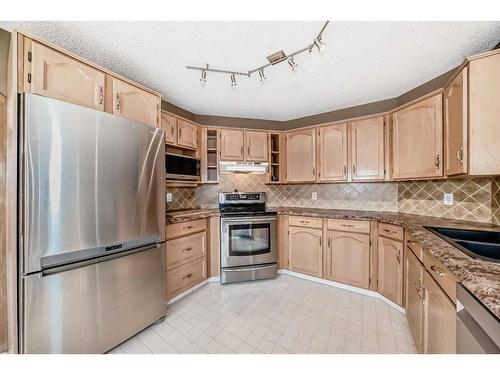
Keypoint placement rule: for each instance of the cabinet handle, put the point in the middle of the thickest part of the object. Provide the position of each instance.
(411, 243)
(187, 276)
(248, 150)
(187, 227)
(438, 158)
(172, 131)
(437, 271)
(320, 240)
(117, 101)
(353, 169)
(329, 242)
(347, 225)
(460, 154)
(345, 170)
(241, 150)
(398, 256)
(387, 230)
(305, 221)
(101, 95)
(314, 171)
(187, 249)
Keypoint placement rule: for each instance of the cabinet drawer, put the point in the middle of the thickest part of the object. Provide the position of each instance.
(184, 249)
(308, 222)
(392, 231)
(442, 275)
(183, 229)
(414, 245)
(356, 226)
(186, 276)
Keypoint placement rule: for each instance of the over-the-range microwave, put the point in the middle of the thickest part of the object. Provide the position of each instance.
(182, 167)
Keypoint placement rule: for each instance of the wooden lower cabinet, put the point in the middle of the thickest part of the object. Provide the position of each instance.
(186, 276)
(390, 269)
(348, 258)
(414, 305)
(305, 250)
(439, 319)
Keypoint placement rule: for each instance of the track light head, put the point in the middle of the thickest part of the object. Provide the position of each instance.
(262, 75)
(233, 80)
(320, 44)
(203, 78)
(292, 63)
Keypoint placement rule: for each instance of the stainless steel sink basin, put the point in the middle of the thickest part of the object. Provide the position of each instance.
(477, 244)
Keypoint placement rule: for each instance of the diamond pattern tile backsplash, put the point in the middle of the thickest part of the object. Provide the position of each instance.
(475, 198)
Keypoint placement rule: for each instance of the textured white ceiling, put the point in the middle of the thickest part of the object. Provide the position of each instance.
(364, 61)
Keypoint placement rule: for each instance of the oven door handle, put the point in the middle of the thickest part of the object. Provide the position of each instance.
(246, 219)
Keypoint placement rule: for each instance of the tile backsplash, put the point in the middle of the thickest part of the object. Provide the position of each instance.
(475, 198)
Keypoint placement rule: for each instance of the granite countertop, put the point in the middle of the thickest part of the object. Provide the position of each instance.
(481, 278)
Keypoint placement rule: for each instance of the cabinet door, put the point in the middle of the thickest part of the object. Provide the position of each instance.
(169, 124)
(417, 140)
(187, 134)
(439, 318)
(332, 153)
(232, 145)
(390, 269)
(455, 125)
(348, 258)
(414, 298)
(61, 77)
(301, 156)
(256, 146)
(134, 103)
(367, 149)
(305, 250)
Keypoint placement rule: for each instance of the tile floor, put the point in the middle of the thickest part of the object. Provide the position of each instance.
(285, 315)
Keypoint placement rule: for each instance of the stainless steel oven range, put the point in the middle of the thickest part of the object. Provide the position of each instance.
(248, 238)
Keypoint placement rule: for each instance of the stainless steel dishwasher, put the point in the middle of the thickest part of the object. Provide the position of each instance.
(478, 330)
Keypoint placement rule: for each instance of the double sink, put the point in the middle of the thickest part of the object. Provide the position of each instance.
(483, 245)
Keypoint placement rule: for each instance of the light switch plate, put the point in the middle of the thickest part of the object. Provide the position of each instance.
(169, 197)
(448, 199)
(314, 195)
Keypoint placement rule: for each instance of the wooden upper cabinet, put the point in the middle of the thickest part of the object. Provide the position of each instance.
(348, 258)
(367, 149)
(301, 155)
(484, 115)
(169, 125)
(439, 319)
(187, 134)
(232, 145)
(417, 140)
(305, 250)
(455, 125)
(256, 146)
(134, 103)
(390, 269)
(332, 153)
(58, 76)
(414, 296)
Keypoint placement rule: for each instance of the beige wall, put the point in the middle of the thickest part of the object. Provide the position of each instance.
(476, 199)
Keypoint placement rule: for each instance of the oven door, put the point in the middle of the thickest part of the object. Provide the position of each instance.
(248, 241)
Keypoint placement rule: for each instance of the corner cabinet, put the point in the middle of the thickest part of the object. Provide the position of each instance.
(414, 305)
(169, 125)
(390, 269)
(56, 75)
(135, 104)
(305, 250)
(417, 140)
(301, 156)
(455, 126)
(332, 153)
(367, 139)
(187, 134)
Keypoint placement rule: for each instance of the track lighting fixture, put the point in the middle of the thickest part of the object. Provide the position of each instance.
(320, 44)
(274, 59)
(262, 75)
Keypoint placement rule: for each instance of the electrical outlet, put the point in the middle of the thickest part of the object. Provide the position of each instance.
(169, 197)
(314, 195)
(448, 199)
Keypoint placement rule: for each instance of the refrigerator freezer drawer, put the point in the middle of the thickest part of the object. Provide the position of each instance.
(93, 308)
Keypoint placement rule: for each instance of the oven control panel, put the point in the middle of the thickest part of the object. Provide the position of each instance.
(242, 197)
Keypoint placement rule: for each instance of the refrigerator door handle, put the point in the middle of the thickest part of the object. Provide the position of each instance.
(85, 263)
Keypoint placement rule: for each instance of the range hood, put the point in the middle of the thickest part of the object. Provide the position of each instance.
(243, 167)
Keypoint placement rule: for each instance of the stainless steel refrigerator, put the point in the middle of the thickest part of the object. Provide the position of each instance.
(91, 218)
